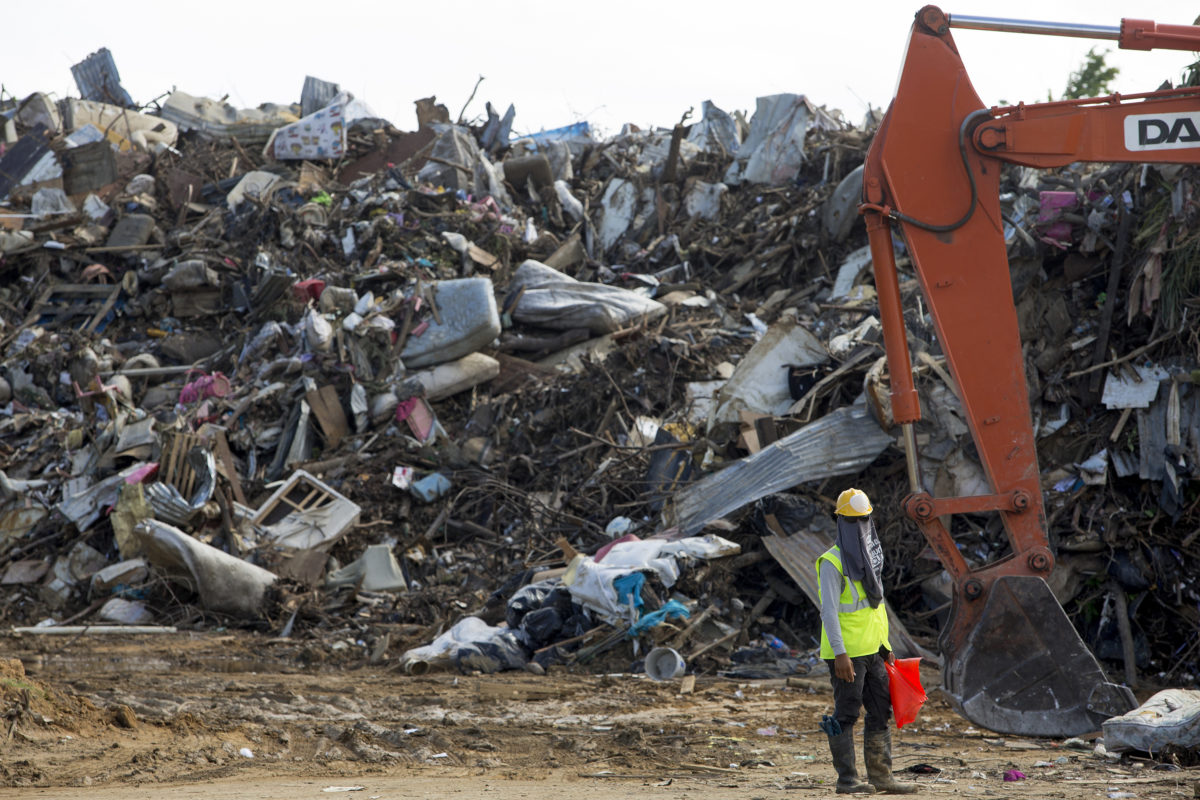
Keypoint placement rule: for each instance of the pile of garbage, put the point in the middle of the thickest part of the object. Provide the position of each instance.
(458, 396)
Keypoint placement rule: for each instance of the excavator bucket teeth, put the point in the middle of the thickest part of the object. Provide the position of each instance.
(1023, 669)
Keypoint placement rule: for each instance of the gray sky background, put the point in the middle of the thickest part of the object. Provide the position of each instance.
(559, 62)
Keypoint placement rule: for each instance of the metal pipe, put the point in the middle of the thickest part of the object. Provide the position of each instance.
(1078, 30)
(910, 457)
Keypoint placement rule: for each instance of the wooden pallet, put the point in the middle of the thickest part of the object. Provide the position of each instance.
(173, 466)
(69, 303)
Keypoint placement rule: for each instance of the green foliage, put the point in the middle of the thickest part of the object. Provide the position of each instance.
(1092, 78)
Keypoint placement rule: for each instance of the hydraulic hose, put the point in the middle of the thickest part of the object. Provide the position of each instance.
(962, 149)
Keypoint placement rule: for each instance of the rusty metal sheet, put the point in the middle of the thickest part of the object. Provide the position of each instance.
(399, 150)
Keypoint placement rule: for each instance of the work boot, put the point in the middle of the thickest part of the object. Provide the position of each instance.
(842, 749)
(877, 752)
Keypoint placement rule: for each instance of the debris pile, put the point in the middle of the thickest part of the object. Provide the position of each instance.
(456, 396)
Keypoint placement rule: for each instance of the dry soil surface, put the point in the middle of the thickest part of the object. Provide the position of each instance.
(215, 716)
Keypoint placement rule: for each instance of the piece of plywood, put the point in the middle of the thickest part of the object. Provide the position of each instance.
(225, 466)
(327, 407)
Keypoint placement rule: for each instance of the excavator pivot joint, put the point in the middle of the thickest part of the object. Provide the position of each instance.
(1039, 562)
(919, 507)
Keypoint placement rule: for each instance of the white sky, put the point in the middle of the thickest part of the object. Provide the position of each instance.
(559, 62)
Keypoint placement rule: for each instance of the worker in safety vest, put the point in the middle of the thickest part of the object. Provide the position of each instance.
(854, 643)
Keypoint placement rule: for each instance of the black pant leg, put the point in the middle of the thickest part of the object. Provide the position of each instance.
(876, 697)
(848, 696)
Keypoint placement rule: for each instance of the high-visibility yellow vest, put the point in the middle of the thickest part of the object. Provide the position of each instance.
(864, 629)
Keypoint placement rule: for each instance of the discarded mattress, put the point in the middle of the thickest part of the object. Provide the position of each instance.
(1170, 717)
(468, 321)
(554, 300)
(122, 127)
(249, 125)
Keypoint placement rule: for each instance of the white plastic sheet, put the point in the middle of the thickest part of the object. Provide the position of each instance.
(591, 583)
(774, 150)
(759, 384)
(255, 184)
(1133, 391)
(441, 651)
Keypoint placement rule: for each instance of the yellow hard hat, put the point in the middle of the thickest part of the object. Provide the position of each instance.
(853, 503)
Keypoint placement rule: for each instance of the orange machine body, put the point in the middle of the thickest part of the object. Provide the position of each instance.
(933, 172)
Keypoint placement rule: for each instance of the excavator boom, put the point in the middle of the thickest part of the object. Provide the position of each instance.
(1013, 661)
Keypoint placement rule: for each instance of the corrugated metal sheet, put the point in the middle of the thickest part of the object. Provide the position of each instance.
(316, 94)
(169, 505)
(22, 157)
(98, 79)
(841, 443)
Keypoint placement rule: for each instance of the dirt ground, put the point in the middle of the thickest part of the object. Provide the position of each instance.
(236, 716)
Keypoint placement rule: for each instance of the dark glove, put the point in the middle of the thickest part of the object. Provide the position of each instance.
(830, 725)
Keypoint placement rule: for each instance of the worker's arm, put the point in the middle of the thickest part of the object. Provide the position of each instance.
(831, 592)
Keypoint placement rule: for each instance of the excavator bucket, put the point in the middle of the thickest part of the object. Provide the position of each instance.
(1022, 668)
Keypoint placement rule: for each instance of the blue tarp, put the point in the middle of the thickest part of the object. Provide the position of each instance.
(672, 608)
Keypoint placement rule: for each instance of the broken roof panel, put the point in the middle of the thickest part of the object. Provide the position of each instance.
(98, 79)
(841, 443)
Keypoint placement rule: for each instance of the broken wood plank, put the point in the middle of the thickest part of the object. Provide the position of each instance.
(327, 407)
(1110, 299)
(693, 625)
(224, 456)
(95, 630)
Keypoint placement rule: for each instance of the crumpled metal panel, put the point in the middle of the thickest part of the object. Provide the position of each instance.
(316, 94)
(841, 443)
(170, 505)
(98, 79)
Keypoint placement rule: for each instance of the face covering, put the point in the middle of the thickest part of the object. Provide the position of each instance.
(862, 555)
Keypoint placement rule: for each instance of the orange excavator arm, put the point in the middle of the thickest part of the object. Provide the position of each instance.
(1013, 661)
